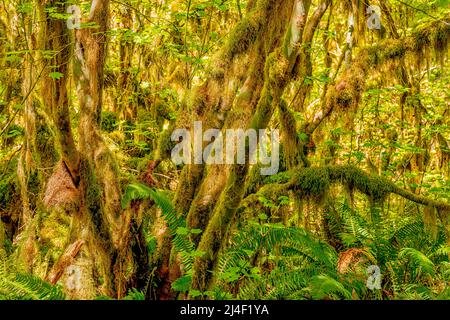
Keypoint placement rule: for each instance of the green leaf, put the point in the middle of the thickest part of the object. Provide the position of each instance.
(182, 284)
(56, 75)
(420, 261)
(303, 137)
(324, 286)
(196, 231)
(197, 253)
(195, 293)
(182, 231)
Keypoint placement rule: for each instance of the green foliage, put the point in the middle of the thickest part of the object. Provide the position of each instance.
(109, 121)
(176, 223)
(19, 286)
(134, 294)
(271, 261)
(324, 286)
(182, 284)
(407, 254)
(375, 120)
(296, 258)
(421, 263)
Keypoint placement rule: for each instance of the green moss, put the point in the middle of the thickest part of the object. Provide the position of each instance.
(373, 56)
(293, 150)
(317, 181)
(47, 153)
(421, 39)
(53, 233)
(272, 192)
(34, 186)
(165, 145)
(393, 49)
(9, 190)
(217, 227)
(13, 134)
(93, 199)
(109, 121)
(312, 181)
(374, 186)
(243, 35)
(281, 177)
(246, 31)
(254, 180)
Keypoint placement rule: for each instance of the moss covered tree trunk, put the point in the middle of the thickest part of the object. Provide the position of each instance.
(100, 223)
(264, 45)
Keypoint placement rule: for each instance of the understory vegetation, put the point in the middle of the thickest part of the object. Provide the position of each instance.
(93, 206)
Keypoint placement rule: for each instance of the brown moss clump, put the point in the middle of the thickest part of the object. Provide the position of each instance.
(352, 260)
(394, 49)
(60, 190)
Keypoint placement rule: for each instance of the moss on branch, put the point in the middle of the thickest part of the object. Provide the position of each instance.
(316, 181)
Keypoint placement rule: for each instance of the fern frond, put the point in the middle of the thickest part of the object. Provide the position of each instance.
(175, 221)
(136, 191)
(421, 261)
(19, 286)
(323, 286)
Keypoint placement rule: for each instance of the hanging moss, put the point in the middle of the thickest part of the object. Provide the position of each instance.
(217, 227)
(394, 49)
(53, 233)
(421, 39)
(441, 37)
(430, 221)
(316, 182)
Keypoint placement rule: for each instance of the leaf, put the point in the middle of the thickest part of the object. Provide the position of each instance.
(196, 231)
(56, 75)
(303, 137)
(195, 293)
(197, 253)
(136, 192)
(182, 284)
(182, 231)
(421, 261)
(324, 286)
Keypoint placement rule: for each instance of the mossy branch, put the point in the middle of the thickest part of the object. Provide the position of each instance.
(316, 181)
(345, 94)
